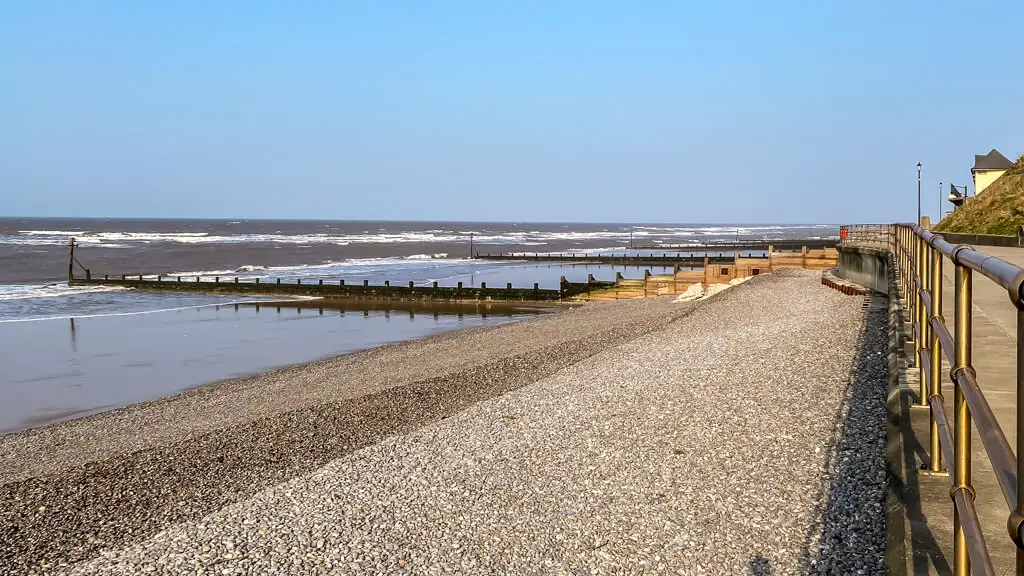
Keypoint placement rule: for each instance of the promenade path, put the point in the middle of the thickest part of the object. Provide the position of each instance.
(745, 436)
(995, 353)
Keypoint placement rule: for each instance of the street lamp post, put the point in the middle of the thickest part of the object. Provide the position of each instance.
(940, 201)
(919, 194)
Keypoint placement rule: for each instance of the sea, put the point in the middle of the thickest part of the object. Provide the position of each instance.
(68, 352)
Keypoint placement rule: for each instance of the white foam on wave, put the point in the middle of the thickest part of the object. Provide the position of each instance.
(143, 312)
(440, 258)
(436, 256)
(23, 291)
(51, 232)
(382, 236)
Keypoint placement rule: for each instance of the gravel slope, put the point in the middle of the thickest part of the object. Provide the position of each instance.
(70, 490)
(730, 441)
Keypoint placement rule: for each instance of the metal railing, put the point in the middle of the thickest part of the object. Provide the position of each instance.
(919, 257)
(870, 235)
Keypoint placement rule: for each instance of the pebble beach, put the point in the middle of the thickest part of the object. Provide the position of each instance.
(741, 434)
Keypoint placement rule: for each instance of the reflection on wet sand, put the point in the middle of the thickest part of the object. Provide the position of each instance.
(411, 307)
(99, 363)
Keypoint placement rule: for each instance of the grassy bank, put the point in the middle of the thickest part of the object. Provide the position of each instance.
(998, 210)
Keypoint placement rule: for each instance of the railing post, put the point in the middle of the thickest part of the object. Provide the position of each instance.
(962, 287)
(903, 264)
(915, 294)
(908, 268)
(926, 330)
(919, 314)
(935, 348)
(1017, 516)
(900, 266)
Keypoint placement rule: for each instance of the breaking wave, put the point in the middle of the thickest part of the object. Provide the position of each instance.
(382, 236)
(24, 291)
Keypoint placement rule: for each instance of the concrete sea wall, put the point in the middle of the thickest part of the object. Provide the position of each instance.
(985, 239)
(865, 266)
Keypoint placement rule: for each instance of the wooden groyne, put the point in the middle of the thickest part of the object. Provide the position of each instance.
(687, 270)
(611, 259)
(671, 254)
(789, 244)
(326, 288)
(711, 272)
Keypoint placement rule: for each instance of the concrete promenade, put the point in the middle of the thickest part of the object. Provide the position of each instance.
(740, 435)
(994, 350)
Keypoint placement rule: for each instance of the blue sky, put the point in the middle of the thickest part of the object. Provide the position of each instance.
(524, 111)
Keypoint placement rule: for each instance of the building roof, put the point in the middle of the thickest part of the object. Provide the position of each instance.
(991, 161)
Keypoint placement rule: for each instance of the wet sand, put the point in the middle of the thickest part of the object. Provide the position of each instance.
(75, 488)
(67, 368)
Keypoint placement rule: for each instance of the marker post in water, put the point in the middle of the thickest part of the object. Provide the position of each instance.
(71, 260)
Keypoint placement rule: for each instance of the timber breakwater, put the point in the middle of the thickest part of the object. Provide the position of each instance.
(687, 269)
(332, 288)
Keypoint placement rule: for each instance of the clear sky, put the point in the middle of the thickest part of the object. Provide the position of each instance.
(757, 111)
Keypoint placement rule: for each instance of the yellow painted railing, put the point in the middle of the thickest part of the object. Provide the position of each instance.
(919, 256)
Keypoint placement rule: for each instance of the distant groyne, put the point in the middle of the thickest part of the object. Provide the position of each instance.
(790, 244)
